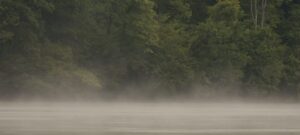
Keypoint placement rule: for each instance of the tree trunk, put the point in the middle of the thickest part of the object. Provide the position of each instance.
(264, 6)
(256, 14)
(251, 10)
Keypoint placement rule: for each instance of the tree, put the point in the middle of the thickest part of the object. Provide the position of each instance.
(31, 59)
(174, 70)
(264, 69)
(262, 13)
(21, 41)
(289, 29)
(216, 48)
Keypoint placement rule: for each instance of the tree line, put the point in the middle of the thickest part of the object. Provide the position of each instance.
(149, 48)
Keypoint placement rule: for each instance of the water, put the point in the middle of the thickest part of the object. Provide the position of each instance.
(149, 119)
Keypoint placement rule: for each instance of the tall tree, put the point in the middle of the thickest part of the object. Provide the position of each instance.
(216, 48)
(289, 29)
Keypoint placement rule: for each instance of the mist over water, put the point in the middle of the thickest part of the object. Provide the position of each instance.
(163, 118)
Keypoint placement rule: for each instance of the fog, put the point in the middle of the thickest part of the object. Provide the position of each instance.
(159, 118)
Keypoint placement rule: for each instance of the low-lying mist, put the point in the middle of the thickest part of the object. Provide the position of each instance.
(159, 118)
(144, 94)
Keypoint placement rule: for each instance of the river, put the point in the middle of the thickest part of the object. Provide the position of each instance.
(149, 119)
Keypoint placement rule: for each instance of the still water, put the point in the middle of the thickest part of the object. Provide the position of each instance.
(149, 119)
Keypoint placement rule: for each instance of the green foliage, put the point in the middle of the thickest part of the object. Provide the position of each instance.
(225, 11)
(175, 70)
(290, 34)
(216, 48)
(154, 47)
(264, 69)
(173, 9)
(199, 9)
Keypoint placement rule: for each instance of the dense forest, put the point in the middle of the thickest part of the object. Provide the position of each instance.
(149, 48)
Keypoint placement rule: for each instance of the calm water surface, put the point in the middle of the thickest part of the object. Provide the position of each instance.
(149, 119)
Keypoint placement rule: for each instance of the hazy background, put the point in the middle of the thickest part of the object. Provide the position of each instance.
(58, 49)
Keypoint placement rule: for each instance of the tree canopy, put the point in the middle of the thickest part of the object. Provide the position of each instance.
(149, 48)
